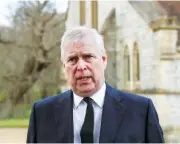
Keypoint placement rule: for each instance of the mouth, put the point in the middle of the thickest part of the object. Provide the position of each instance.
(84, 78)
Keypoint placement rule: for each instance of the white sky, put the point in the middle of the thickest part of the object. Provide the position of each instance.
(6, 6)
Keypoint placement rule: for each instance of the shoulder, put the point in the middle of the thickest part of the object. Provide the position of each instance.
(134, 98)
(135, 102)
(52, 100)
(128, 98)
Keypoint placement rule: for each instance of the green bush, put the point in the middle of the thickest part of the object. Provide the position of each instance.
(3, 95)
(58, 91)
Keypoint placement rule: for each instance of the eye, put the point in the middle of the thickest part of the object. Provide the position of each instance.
(88, 56)
(72, 59)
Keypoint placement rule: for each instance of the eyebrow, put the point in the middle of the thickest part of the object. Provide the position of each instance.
(71, 56)
(88, 53)
(83, 54)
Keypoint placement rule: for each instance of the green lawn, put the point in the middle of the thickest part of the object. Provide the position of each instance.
(12, 123)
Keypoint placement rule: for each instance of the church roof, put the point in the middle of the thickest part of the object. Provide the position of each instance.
(154, 10)
(172, 7)
(149, 10)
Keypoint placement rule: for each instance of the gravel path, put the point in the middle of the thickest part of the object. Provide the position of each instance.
(13, 135)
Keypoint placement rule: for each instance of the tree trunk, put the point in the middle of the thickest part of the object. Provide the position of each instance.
(27, 80)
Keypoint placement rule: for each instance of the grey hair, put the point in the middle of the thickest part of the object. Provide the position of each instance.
(79, 33)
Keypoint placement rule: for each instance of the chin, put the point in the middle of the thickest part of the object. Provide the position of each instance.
(88, 91)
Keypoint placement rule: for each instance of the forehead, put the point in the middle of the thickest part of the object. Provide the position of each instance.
(77, 44)
(81, 47)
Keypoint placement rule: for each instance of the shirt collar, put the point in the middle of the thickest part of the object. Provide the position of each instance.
(98, 97)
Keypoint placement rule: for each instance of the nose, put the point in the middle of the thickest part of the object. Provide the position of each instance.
(81, 65)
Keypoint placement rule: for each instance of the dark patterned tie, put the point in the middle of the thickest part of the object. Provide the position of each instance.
(88, 125)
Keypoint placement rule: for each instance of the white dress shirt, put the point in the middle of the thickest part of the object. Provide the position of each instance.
(79, 111)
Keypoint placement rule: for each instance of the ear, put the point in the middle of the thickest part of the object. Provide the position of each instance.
(104, 58)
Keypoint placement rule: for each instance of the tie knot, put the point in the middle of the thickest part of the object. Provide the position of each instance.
(87, 99)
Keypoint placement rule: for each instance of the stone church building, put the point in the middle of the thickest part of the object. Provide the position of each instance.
(142, 41)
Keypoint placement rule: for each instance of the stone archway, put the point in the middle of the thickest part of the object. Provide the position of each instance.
(109, 34)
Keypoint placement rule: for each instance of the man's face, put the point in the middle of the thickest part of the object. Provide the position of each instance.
(84, 66)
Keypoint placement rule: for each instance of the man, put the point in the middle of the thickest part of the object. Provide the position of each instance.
(91, 111)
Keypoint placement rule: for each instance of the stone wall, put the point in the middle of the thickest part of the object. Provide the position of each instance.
(170, 75)
(135, 29)
(168, 108)
(110, 46)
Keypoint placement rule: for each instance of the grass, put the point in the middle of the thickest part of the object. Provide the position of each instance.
(14, 123)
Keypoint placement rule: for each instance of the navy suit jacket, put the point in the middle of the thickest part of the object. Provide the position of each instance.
(126, 118)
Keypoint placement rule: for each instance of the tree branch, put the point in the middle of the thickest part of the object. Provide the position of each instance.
(49, 18)
(6, 42)
(44, 4)
(54, 46)
(61, 20)
(25, 46)
(11, 77)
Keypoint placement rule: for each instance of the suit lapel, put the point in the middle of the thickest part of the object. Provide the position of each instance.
(63, 112)
(113, 111)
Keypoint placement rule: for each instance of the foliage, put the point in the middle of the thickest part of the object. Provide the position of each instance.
(32, 46)
(3, 95)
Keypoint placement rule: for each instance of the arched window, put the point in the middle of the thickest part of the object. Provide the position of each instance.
(136, 68)
(126, 65)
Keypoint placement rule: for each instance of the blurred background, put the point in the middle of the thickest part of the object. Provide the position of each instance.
(142, 40)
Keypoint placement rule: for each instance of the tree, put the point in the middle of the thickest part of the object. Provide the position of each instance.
(37, 29)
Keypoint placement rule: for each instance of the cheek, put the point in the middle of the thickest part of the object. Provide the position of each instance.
(98, 70)
(70, 71)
